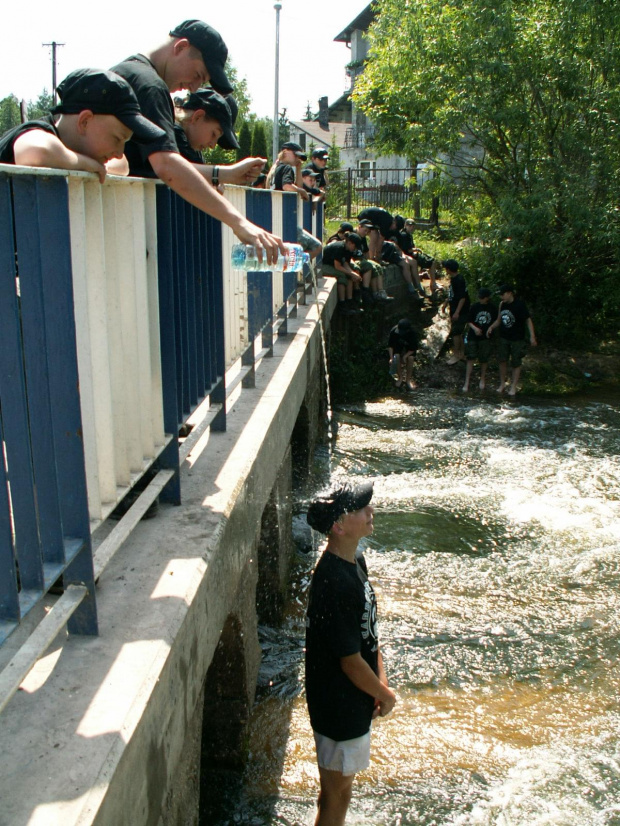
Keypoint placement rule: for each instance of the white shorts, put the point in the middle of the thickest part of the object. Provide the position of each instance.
(346, 756)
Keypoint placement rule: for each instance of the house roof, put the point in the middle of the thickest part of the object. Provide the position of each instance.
(361, 23)
(321, 136)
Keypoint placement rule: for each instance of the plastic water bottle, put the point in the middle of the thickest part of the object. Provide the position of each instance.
(244, 257)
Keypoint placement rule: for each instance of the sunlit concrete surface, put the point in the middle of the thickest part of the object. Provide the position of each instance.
(97, 731)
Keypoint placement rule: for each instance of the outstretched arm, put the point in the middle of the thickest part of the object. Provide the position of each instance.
(186, 181)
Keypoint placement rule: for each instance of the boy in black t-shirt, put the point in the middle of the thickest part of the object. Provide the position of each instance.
(402, 347)
(98, 112)
(192, 56)
(477, 346)
(458, 303)
(337, 258)
(512, 320)
(346, 684)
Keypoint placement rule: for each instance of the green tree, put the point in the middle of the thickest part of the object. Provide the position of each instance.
(259, 141)
(40, 107)
(245, 142)
(516, 103)
(9, 113)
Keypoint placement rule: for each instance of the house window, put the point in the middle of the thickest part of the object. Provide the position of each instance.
(367, 169)
(302, 141)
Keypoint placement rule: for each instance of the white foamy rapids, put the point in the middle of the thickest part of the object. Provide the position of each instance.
(556, 786)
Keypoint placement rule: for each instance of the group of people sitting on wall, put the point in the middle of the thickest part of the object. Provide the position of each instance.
(357, 255)
(473, 327)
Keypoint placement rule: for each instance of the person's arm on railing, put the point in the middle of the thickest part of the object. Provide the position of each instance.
(39, 148)
(186, 181)
(243, 173)
(118, 166)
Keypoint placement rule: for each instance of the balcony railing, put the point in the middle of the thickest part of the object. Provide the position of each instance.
(120, 315)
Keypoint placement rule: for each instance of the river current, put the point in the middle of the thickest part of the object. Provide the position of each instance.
(496, 562)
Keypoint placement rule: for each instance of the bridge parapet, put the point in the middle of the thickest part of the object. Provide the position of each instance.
(120, 316)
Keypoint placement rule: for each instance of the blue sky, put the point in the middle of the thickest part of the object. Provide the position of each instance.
(311, 64)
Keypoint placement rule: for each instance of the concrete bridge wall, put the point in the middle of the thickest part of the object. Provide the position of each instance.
(116, 729)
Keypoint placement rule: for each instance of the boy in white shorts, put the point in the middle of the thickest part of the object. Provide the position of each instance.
(346, 684)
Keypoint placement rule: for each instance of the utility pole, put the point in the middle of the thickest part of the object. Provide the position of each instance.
(276, 118)
(54, 46)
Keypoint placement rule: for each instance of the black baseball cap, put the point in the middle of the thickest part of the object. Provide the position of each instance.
(296, 148)
(320, 152)
(345, 226)
(233, 106)
(105, 93)
(484, 292)
(215, 106)
(309, 171)
(211, 46)
(328, 507)
(366, 223)
(506, 288)
(451, 264)
(353, 236)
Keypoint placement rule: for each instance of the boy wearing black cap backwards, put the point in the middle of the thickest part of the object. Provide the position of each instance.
(346, 684)
(193, 56)
(98, 113)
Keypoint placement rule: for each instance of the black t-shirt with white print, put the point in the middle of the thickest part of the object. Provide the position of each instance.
(513, 316)
(482, 315)
(341, 620)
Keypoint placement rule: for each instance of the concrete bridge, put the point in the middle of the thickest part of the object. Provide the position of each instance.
(119, 721)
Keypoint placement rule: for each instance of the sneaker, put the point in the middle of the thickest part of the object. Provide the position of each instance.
(381, 295)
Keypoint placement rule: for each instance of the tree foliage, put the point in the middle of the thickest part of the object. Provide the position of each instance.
(9, 113)
(259, 141)
(517, 103)
(245, 142)
(40, 107)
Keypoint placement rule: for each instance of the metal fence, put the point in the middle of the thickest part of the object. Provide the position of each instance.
(120, 315)
(394, 189)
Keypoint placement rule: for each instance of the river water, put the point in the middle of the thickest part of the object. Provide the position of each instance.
(496, 562)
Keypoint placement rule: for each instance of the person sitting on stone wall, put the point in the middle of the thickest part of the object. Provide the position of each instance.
(337, 258)
(341, 233)
(423, 261)
(391, 254)
(371, 271)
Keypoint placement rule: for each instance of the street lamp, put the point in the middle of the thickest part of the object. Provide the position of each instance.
(276, 118)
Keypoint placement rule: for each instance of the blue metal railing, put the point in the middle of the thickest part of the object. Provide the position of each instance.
(44, 509)
(44, 520)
